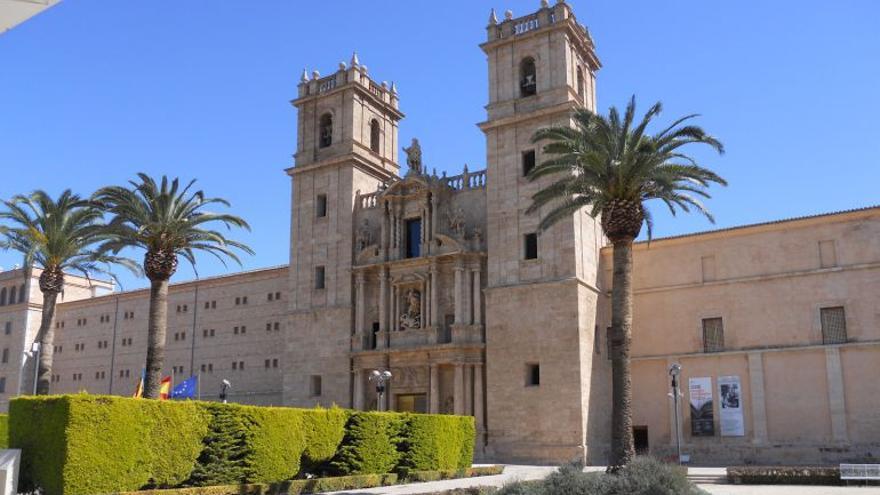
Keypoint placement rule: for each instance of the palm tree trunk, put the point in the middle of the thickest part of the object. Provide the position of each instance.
(46, 338)
(622, 450)
(157, 327)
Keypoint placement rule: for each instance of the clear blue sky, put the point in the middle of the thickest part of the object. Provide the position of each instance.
(93, 91)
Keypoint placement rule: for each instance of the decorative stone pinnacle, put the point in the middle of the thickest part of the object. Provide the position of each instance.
(545, 4)
(393, 87)
(305, 76)
(508, 15)
(342, 65)
(354, 59)
(493, 19)
(560, 1)
(384, 84)
(364, 68)
(316, 75)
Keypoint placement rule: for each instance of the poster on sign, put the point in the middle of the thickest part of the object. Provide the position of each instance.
(730, 391)
(702, 417)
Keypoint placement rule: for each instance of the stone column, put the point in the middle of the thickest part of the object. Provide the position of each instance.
(467, 286)
(458, 390)
(359, 390)
(459, 313)
(836, 401)
(383, 299)
(478, 298)
(468, 389)
(383, 234)
(479, 414)
(759, 409)
(434, 396)
(392, 321)
(360, 310)
(435, 301)
(433, 216)
(423, 310)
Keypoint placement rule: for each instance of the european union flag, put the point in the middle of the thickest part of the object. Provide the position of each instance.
(186, 389)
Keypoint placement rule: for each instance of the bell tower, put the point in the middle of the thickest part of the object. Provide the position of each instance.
(346, 144)
(541, 68)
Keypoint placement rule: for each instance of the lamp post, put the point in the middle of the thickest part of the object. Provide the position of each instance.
(223, 389)
(674, 372)
(380, 378)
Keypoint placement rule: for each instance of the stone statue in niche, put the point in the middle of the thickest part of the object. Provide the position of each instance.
(364, 235)
(412, 317)
(456, 222)
(414, 157)
(478, 237)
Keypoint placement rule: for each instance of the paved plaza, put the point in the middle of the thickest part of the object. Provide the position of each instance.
(522, 473)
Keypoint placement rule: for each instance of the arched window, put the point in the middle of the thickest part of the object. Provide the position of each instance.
(325, 130)
(3, 296)
(374, 135)
(528, 78)
(580, 83)
(12, 295)
(21, 294)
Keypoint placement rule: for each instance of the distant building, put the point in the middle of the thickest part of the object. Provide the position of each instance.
(14, 12)
(444, 281)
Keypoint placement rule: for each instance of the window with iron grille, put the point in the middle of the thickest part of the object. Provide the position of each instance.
(833, 325)
(713, 335)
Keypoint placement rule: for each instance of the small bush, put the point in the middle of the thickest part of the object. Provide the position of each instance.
(643, 476)
(784, 475)
(223, 460)
(370, 445)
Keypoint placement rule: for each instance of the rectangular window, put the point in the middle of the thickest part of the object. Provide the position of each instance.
(528, 162)
(413, 403)
(319, 277)
(7, 328)
(267, 364)
(533, 375)
(413, 237)
(827, 254)
(2, 384)
(713, 335)
(315, 385)
(321, 206)
(531, 246)
(833, 325)
(5, 358)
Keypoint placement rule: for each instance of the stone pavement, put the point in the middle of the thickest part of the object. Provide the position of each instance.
(521, 473)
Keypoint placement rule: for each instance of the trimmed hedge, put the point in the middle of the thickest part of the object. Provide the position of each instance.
(784, 475)
(450, 474)
(83, 445)
(293, 487)
(438, 442)
(4, 431)
(371, 444)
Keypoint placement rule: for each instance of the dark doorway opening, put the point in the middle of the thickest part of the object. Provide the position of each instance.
(375, 337)
(640, 439)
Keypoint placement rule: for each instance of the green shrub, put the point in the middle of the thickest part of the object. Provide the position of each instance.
(324, 430)
(276, 443)
(293, 487)
(643, 476)
(370, 444)
(437, 442)
(784, 475)
(449, 474)
(82, 444)
(4, 431)
(223, 460)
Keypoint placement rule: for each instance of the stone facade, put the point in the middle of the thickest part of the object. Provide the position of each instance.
(443, 281)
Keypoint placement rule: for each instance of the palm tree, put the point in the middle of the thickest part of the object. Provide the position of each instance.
(58, 236)
(166, 221)
(612, 167)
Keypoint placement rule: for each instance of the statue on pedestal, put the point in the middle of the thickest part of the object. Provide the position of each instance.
(414, 157)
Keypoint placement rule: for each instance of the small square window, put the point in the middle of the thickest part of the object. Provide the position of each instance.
(321, 206)
(531, 246)
(319, 277)
(833, 325)
(533, 375)
(528, 162)
(315, 385)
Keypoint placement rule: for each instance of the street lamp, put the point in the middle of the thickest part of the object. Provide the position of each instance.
(674, 372)
(381, 378)
(35, 350)
(223, 389)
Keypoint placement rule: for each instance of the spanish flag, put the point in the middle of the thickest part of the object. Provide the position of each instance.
(165, 388)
